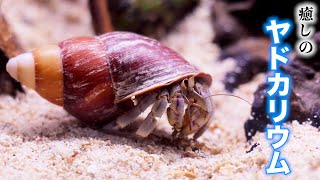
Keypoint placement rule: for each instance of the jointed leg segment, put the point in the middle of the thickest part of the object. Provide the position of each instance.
(175, 111)
(157, 111)
(190, 110)
(128, 118)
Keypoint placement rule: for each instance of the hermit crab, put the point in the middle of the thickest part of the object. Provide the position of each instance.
(117, 76)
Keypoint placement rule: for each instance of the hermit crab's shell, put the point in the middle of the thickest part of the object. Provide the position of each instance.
(139, 64)
(117, 66)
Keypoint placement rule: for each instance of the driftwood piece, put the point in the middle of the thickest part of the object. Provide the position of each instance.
(100, 16)
(9, 47)
(151, 18)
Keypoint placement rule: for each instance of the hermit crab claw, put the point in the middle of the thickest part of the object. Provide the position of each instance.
(198, 113)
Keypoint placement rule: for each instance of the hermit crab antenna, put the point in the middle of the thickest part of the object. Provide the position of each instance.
(221, 94)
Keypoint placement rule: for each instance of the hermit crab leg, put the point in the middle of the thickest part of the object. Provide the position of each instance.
(204, 127)
(209, 109)
(175, 111)
(157, 111)
(207, 118)
(194, 112)
(131, 116)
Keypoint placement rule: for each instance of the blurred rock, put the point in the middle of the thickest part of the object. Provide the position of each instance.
(150, 18)
(305, 95)
(238, 23)
(7, 84)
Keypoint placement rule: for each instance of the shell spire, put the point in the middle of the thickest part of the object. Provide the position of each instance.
(40, 70)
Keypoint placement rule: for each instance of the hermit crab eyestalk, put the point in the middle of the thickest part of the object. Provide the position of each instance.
(115, 77)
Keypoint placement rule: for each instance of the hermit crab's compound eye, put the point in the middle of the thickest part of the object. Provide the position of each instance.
(184, 84)
(188, 83)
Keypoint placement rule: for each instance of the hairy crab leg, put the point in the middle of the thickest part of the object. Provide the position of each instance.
(131, 116)
(157, 111)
